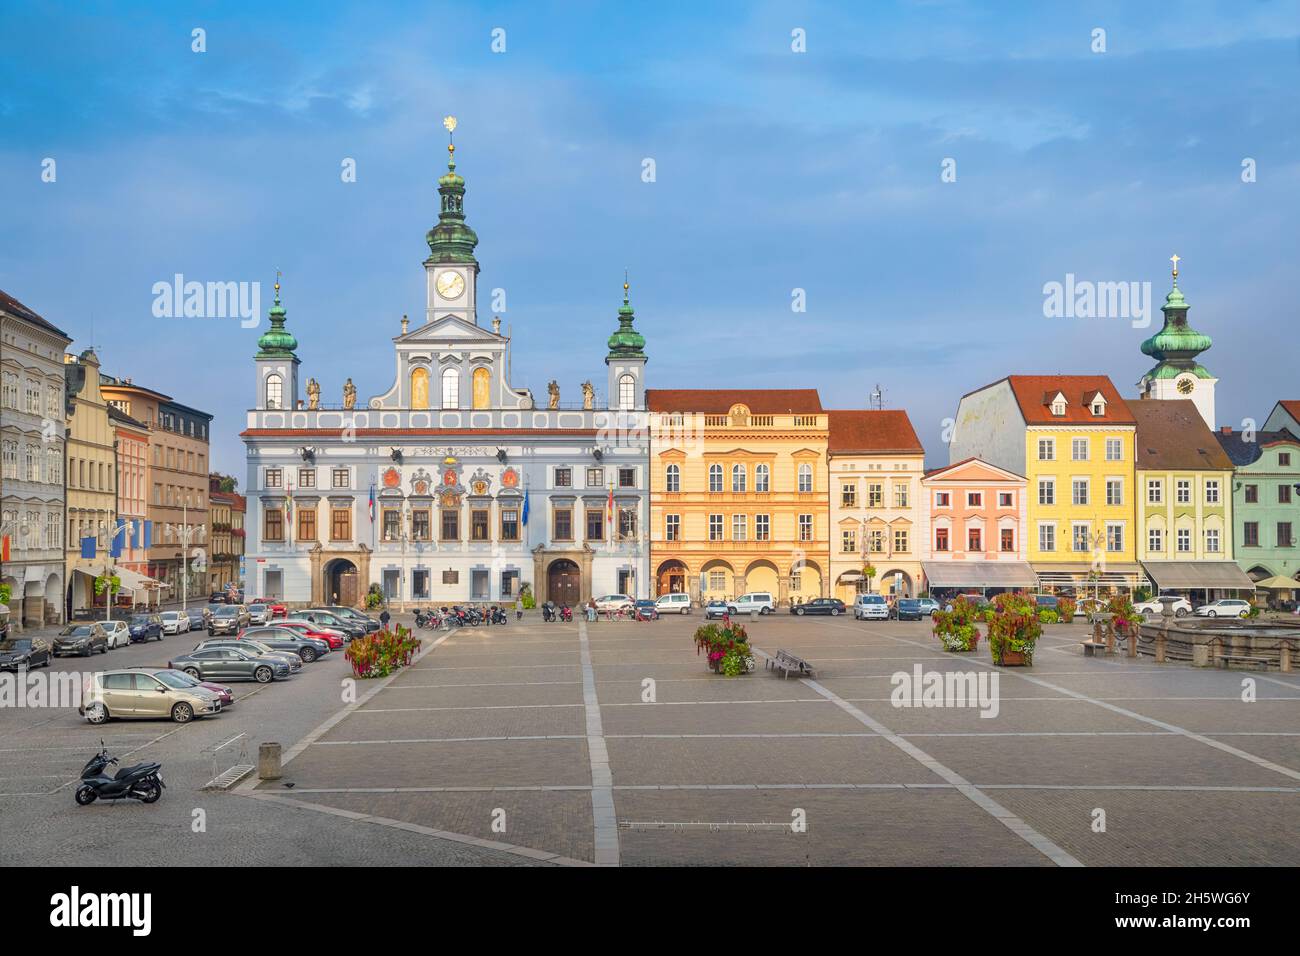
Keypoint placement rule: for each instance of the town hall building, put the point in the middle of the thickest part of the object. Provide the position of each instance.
(449, 484)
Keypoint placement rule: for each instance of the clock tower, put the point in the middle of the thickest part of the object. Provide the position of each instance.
(1176, 347)
(451, 270)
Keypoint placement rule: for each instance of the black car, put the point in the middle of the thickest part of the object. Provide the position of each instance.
(352, 616)
(351, 629)
(217, 597)
(832, 606)
(145, 627)
(284, 639)
(646, 608)
(907, 609)
(198, 620)
(19, 652)
(82, 639)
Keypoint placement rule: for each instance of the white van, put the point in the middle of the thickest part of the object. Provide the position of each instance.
(676, 603)
(760, 601)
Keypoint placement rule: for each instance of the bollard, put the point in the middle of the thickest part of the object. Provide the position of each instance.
(1133, 641)
(1285, 663)
(268, 762)
(1160, 646)
(753, 614)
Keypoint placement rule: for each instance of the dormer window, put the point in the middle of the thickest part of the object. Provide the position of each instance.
(1058, 407)
(1098, 408)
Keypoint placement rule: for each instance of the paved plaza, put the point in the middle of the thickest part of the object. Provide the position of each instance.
(548, 743)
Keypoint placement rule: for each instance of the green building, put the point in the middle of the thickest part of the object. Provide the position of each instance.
(1265, 501)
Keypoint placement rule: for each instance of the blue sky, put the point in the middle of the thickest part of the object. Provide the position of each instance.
(775, 170)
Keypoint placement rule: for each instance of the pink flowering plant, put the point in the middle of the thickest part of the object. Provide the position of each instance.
(956, 629)
(726, 646)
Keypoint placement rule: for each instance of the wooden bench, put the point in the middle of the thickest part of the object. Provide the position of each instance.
(788, 663)
(1225, 661)
(1093, 648)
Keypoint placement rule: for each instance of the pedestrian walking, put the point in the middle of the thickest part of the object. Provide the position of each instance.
(384, 618)
(519, 608)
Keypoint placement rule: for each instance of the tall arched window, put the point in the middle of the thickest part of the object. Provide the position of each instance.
(715, 477)
(673, 479)
(482, 388)
(451, 388)
(738, 477)
(274, 391)
(420, 388)
(805, 477)
(627, 392)
(762, 478)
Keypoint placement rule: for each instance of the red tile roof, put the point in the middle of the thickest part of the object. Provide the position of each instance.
(1171, 435)
(869, 431)
(1034, 393)
(1292, 407)
(719, 401)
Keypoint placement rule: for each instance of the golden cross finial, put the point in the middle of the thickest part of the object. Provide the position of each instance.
(450, 123)
(1175, 259)
(277, 285)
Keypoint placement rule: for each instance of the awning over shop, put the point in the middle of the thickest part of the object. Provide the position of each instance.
(978, 574)
(1197, 575)
(135, 581)
(1083, 574)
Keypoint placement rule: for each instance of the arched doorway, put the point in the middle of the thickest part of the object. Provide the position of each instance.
(718, 581)
(671, 578)
(763, 576)
(805, 581)
(564, 582)
(342, 584)
(896, 582)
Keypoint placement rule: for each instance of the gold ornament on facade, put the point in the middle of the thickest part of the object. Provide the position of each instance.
(588, 394)
(553, 390)
(313, 393)
(349, 394)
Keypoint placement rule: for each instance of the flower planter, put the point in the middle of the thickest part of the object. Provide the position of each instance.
(1012, 659)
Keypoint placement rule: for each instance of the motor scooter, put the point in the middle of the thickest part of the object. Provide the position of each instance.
(142, 782)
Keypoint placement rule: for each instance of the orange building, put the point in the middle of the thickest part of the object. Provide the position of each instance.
(738, 492)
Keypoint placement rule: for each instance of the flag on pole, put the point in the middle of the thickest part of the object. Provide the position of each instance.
(525, 506)
(372, 502)
(88, 547)
(609, 505)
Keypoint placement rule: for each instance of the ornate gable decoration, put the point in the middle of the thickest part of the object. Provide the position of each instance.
(510, 480)
(421, 483)
(480, 483)
(449, 488)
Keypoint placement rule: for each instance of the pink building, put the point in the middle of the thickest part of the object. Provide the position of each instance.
(975, 517)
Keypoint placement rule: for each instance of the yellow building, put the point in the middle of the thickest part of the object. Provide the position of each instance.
(1072, 436)
(91, 479)
(738, 493)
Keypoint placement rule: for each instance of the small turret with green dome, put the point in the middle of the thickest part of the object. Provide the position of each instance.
(626, 342)
(451, 240)
(1176, 346)
(277, 341)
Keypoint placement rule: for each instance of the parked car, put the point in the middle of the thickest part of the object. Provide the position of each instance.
(1226, 607)
(198, 618)
(333, 638)
(143, 693)
(225, 620)
(217, 597)
(761, 601)
(119, 634)
(907, 609)
(211, 609)
(1179, 605)
(674, 603)
(289, 640)
(18, 653)
(81, 639)
(145, 627)
(258, 614)
(175, 622)
(230, 663)
(832, 606)
(254, 647)
(352, 616)
(174, 678)
(646, 608)
(329, 619)
(717, 609)
(928, 606)
(614, 602)
(870, 607)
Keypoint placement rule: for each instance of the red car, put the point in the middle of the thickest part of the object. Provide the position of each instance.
(307, 629)
(273, 610)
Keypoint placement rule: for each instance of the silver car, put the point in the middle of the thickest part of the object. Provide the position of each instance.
(230, 663)
(257, 648)
(175, 622)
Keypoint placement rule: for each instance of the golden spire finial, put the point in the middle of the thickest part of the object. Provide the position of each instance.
(449, 122)
(277, 285)
(1175, 259)
(625, 285)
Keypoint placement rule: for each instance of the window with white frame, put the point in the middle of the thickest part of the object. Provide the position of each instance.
(673, 478)
(1212, 491)
(1081, 537)
(1114, 491)
(805, 477)
(805, 527)
(1155, 491)
(1212, 540)
(1047, 537)
(901, 496)
(762, 527)
(1079, 449)
(1079, 491)
(739, 527)
(1184, 491)
(1155, 539)
(672, 527)
(849, 495)
(627, 392)
(274, 391)
(762, 478)
(848, 541)
(451, 388)
(1047, 491)
(715, 478)
(1114, 536)
(715, 527)
(739, 478)
(1114, 449)
(875, 495)
(1184, 540)
(1047, 449)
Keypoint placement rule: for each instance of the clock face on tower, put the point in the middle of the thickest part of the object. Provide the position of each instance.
(450, 285)
(1185, 386)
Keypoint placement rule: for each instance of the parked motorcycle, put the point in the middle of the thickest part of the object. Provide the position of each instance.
(497, 615)
(548, 611)
(566, 613)
(141, 782)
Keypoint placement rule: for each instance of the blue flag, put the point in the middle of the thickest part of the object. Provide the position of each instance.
(525, 506)
(148, 534)
(88, 547)
(119, 536)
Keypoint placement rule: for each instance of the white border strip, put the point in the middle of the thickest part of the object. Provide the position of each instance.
(602, 778)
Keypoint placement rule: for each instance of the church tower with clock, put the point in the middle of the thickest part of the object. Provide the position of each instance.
(451, 269)
(1176, 348)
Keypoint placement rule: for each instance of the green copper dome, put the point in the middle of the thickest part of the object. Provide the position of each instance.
(277, 341)
(451, 240)
(1176, 345)
(627, 342)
